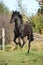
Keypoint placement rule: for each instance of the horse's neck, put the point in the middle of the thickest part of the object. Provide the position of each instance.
(16, 26)
(19, 28)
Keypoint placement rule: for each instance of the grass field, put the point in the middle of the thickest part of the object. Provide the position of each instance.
(21, 57)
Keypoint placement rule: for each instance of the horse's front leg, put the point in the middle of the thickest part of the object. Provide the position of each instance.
(15, 40)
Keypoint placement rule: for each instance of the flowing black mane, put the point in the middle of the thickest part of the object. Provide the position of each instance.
(17, 14)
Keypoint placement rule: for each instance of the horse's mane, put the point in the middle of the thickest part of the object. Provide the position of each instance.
(19, 15)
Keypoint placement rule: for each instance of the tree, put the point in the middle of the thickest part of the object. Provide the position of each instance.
(22, 10)
(40, 11)
(4, 18)
(37, 23)
(3, 9)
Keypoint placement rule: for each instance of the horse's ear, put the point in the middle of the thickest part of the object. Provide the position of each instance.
(13, 12)
(20, 16)
(18, 12)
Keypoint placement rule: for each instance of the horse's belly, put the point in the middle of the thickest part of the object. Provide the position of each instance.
(26, 31)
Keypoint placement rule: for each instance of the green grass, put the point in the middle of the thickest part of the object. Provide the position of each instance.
(21, 57)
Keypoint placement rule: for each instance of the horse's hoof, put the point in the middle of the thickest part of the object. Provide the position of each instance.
(21, 46)
(28, 52)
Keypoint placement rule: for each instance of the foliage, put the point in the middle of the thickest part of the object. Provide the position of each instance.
(4, 18)
(37, 22)
(3, 9)
(22, 10)
(40, 10)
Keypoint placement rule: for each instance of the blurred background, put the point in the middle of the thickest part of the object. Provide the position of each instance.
(31, 10)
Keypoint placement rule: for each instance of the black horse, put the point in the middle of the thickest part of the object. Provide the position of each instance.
(21, 30)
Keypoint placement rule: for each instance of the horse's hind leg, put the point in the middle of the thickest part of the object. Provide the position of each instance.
(19, 42)
(29, 44)
(23, 43)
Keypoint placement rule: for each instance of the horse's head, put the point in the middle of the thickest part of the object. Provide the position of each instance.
(16, 17)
